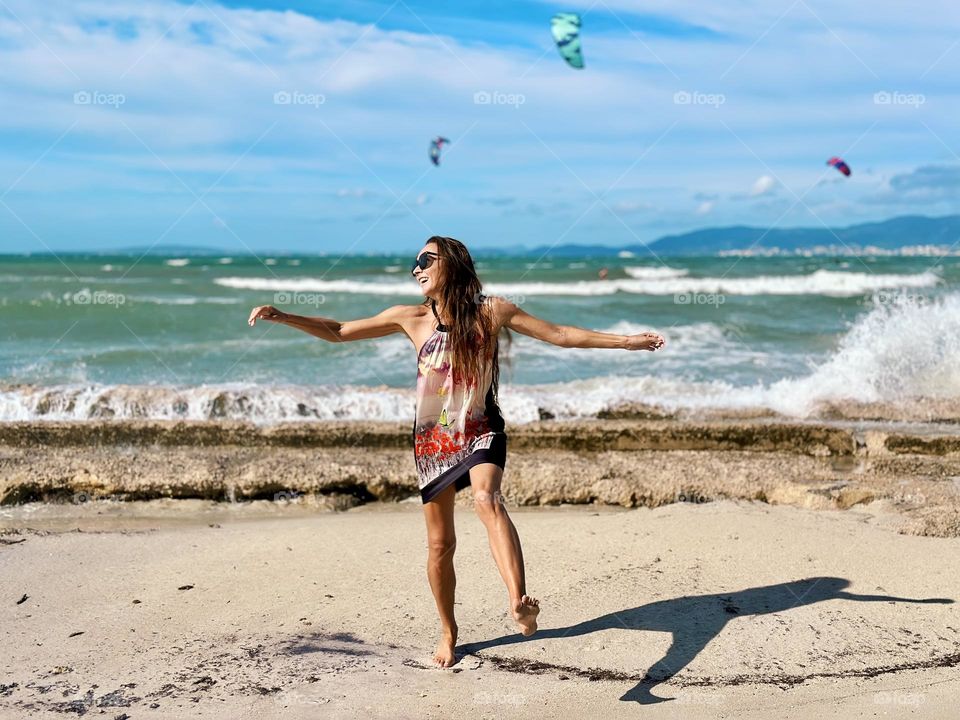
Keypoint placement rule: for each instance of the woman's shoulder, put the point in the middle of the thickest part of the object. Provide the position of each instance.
(410, 314)
(407, 311)
(500, 308)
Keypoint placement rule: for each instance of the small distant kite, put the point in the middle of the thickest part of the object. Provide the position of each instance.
(565, 28)
(840, 165)
(435, 146)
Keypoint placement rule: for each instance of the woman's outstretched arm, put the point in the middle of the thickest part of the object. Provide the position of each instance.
(389, 321)
(570, 336)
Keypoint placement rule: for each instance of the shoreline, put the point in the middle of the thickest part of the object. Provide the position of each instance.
(913, 468)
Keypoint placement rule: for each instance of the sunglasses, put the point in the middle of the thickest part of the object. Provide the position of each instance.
(423, 262)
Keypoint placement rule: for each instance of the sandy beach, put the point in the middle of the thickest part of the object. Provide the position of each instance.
(273, 272)
(723, 609)
(715, 567)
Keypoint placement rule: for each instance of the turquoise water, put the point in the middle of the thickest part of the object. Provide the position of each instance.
(95, 335)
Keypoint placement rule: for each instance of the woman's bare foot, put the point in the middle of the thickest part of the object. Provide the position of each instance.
(525, 612)
(444, 657)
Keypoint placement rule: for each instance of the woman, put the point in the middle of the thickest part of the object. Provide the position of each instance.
(459, 437)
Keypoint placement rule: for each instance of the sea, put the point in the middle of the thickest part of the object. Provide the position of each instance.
(95, 336)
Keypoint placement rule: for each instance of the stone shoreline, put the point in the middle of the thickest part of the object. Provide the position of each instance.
(912, 468)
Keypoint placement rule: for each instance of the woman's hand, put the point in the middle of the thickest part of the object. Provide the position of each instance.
(265, 312)
(645, 341)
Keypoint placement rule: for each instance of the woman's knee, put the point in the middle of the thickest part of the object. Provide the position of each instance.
(441, 546)
(489, 505)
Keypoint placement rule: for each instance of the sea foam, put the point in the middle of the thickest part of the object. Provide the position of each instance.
(905, 348)
(646, 281)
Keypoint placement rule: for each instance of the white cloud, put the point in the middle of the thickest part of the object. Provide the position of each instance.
(763, 186)
(925, 185)
(201, 101)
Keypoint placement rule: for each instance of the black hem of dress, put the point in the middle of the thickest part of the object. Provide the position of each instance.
(460, 474)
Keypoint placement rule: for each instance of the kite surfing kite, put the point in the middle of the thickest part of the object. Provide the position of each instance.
(840, 165)
(565, 28)
(435, 146)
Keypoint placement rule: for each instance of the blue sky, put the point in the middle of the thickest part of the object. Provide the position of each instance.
(304, 126)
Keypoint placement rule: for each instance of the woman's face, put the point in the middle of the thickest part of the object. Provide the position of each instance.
(429, 279)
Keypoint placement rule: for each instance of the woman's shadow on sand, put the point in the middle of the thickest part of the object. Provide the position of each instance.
(695, 620)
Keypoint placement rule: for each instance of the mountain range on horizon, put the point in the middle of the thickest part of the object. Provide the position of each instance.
(892, 234)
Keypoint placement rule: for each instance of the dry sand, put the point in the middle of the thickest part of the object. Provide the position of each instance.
(724, 609)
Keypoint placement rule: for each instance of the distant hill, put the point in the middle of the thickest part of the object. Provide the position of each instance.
(889, 235)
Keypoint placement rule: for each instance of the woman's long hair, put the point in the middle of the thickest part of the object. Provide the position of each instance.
(472, 329)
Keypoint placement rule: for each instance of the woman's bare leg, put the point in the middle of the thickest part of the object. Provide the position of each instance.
(441, 543)
(504, 543)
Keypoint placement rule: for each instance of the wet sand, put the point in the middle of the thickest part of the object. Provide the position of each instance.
(723, 609)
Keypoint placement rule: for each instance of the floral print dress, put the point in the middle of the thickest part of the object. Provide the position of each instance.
(458, 425)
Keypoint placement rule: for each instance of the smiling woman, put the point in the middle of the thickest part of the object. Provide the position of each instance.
(236, 151)
(458, 434)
